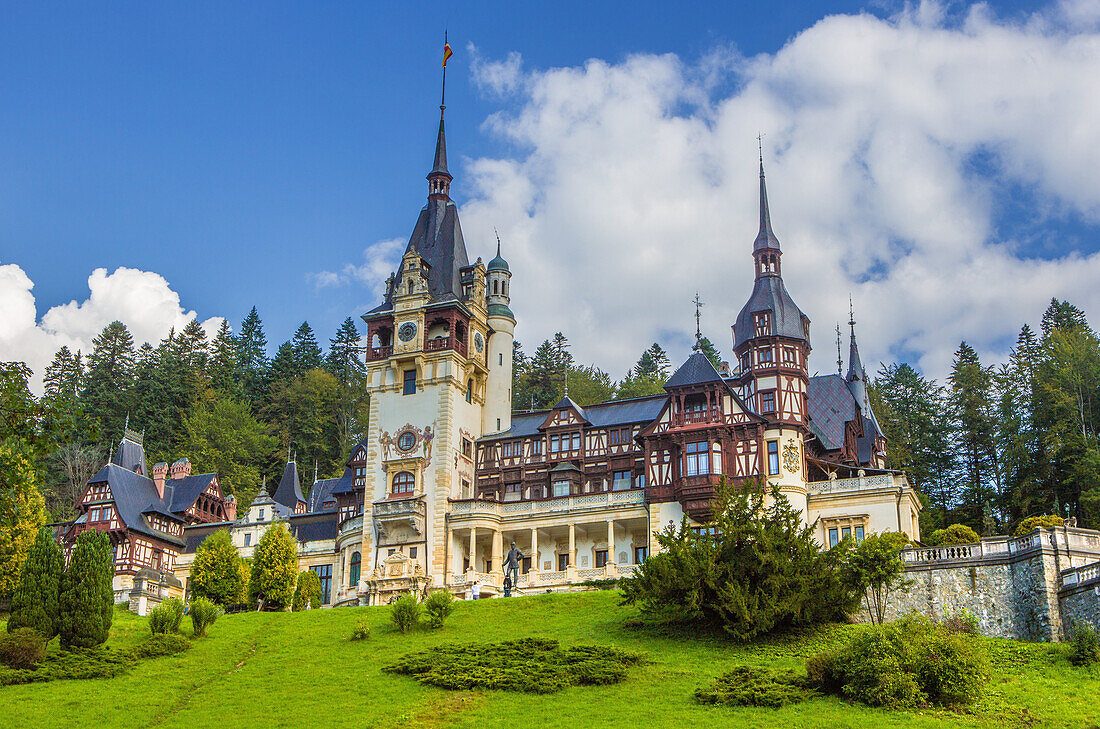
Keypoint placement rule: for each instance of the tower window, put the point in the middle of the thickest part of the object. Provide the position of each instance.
(766, 355)
(496, 286)
(409, 383)
(403, 483)
(762, 323)
(773, 458)
(470, 391)
(696, 459)
(767, 401)
(500, 358)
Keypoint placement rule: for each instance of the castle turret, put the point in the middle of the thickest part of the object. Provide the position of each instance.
(502, 327)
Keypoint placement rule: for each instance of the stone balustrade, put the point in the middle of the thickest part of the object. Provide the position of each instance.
(1081, 575)
(1000, 548)
(571, 504)
(860, 483)
(353, 524)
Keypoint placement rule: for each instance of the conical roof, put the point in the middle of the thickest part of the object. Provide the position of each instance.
(698, 369)
(289, 492)
(765, 239)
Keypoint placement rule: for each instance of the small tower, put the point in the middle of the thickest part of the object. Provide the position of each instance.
(502, 327)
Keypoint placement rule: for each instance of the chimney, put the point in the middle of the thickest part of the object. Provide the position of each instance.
(160, 470)
(230, 508)
(181, 468)
(724, 369)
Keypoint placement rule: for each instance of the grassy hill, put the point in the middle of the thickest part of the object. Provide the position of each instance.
(300, 670)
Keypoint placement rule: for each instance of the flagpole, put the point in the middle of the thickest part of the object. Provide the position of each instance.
(443, 94)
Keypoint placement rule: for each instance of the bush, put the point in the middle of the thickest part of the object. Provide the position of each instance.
(87, 599)
(216, 573)
(529, 665)
(962, 622)
(82, 663)
(361, 630)
(758, 569)
(439, 606)
(161, 644)
(405, 613)
(753, 686)
(203, 613)
(308, 593)
(1086, 645)
(273, 569)
(875, 568)
(166, 617)
(907, 663)
(954, 534)
(35, 602)
(1030, 524)
(22, 648)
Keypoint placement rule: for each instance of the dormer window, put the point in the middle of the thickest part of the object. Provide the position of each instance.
(762, 323)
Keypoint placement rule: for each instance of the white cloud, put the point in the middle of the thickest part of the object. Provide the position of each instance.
(142, 300)
(379, 261)
(637, 184)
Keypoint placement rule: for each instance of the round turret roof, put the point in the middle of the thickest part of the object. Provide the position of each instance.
(497, 264)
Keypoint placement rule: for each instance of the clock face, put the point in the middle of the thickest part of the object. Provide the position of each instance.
(479, 343)
(407, 331)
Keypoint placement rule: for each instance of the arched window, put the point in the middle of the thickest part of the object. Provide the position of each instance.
(403, 483)
(496, 284)
(356, 564)
(504, 288)
(470, 391)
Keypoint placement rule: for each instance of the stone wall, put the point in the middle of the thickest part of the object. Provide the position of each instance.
(1013, 586)
(1080, 598)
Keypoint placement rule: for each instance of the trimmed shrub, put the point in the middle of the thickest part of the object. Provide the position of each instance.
(530, 665)
(273, 570)
(166, 617)
(907, 663)
(405, 613)
(203, 613)
(22, 648)
(955, 534)
(87, 599)
(95, 662)
(1030, 524)
(361, 630)
(1086, 645)
(35, 602)
(216, 573)
(962, 622)
(439, 606)
(161, 644)
(308, 593)
(754, 686)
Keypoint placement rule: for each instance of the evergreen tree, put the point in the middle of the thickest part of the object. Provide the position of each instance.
(633, 386)
(87, 597)
(225, 368)
(221, 435)
(193, 350)
(545, 380)
(22, 513)
(274, 569)
(653, 364)
(972, 404)
(216, 571)
(707, 347)
(109, 378)
(1062, 315)
(252, 357)
(302, 411)
(308, 594)
(590, 385)
(307, 353)
(63, 376)
(343, 359)
(282, 369)
(344, 363)
(18, 409)
(35, 602)
(522, 397)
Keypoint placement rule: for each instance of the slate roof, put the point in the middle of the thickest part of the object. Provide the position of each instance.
(323, 491)
(697, 370)
(313, 527)
(289, 492)
(131, 456)
(619, 412)
(765, 239)
(567, 403)
(194, 535)
(134, 496)
(865, 444)
(186, 490)
(769, 294)
(831, 406)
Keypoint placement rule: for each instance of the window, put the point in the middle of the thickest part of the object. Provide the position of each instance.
(762, 323)
(619, 436)
(488, 565)
(639, 481)
(324, 572)
(767, 401)
(846, 533)
(512, 449)
(500, 359)
(563, 562)
(620, 480)
(513, 492)
(470, 391)
(261, 514)
(555, 443)
(498, 424)
(406, 441)
(465, 489)
(561, 488)
(773, 458)
(356, 569)
(766, 355)
(412, 552)
(467, 448)
(403, 483)
(410, 383)
(640, 553)
(790, 356)
(833, 537)
(248, 540)
(391, 551)
(576, 442)
(859, 534)
(536, 447)
(601, 558)
(696, 459)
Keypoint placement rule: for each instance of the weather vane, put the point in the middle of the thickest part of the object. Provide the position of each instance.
(698, 330)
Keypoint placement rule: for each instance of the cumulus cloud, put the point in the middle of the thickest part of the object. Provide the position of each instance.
(893, 147)
(379, 261)
(142, 300)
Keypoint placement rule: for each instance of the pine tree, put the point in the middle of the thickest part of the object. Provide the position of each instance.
(344, 363)
(225, 368)
(972, 400)
(22, 513)
(18, 409)
(283, 367)
(193, 350)
(707, 347)
(87, 597)
(35, 602)
(274, 569)
(343, 359)
(110, 376)
(307, 353)
(216, 571)
(653, 364)
(252, 357)
(1062, 315)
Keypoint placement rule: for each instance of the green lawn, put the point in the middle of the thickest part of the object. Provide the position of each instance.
(300, 670)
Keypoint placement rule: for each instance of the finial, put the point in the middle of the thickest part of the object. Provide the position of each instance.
(314, 470)
(288, 454)
(839, 362)
(447, 52)
(498, 241)
(127, 425)
(760, 149)
(565, 367)
(698, 330)
(851, 316)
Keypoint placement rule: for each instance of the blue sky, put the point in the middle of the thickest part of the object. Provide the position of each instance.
(239, 150)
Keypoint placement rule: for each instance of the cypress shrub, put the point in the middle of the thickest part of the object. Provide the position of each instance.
(308, 592)
(274, 566)
(22, 648)
(753, 686)
(216, 573)
(87, 598)
(439, 606)
(166, 617)
(35, 602)
(405, 613)
(203, 613)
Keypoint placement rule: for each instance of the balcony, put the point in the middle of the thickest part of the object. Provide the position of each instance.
(376, 353)
(475, 508)
(399, 512)
(441, 344)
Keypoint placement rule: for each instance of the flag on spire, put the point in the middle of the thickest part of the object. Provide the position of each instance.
(447, 53)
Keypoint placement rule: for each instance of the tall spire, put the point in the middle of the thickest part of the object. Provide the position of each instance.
(855, 366)
(439, 179)
(765, 239)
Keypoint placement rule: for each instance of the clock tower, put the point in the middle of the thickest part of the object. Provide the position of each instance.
(439, 368)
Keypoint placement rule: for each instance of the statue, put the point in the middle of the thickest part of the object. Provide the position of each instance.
(512, 563)
(386, 442)
(427, 435)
